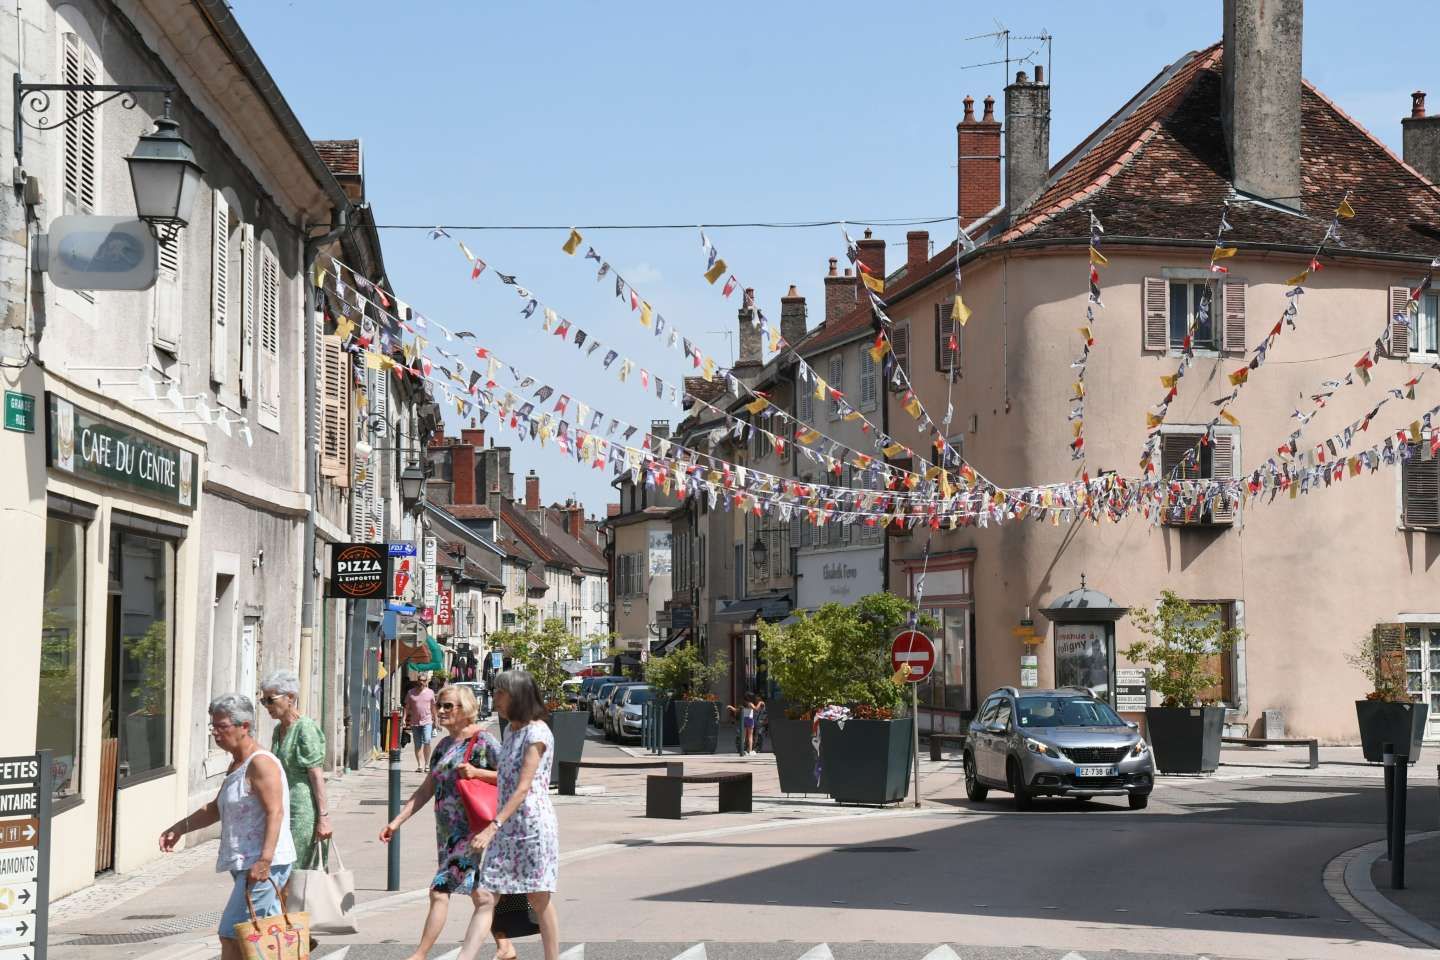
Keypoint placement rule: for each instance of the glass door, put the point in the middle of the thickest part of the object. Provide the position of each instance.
(1422, 672)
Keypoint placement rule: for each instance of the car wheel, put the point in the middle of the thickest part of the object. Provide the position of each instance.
(974, 789)
(1016, 779)
(1139, 801)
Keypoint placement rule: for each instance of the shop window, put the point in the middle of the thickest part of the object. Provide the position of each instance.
(61, 643)
(140, 654)
(947, 687)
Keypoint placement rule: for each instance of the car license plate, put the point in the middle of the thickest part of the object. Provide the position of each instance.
(1094, 771)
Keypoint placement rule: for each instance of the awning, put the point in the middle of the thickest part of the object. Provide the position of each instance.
(676, 638)
(769, 609)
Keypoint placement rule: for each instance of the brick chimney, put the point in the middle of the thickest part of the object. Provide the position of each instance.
(792, 316)
(749, 332)
(575, 519)
(612, 509)
(462, 473)
(1260, 96)
(978, 162)
(474, 437)
(1027, 138)
(840, 293)
(917, 248)
(532, 491)
(872, 254)
(1422, 138)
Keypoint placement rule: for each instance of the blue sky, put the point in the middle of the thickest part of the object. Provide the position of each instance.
(566, 112)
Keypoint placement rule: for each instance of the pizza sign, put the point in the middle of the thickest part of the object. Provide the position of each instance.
(359, 571)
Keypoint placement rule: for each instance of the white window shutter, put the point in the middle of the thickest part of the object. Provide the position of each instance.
(1400, 322)
(247, 311)
(166, 298)
(1420, 489)
(1223, 467)
(334, 435)
(219, 291)
(868, 391)
(1233, 305)
(837, 381)
(317, 321)
(268, 352)
(81, 180)
(1155, 307)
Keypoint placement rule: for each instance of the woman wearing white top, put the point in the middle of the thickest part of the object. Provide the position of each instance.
(253, 808)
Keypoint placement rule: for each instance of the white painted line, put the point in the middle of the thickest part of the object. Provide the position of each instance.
(942, 952)
(450, 955)
(820, 951)
(338, 954)
(916, 656)
(1072, 955)
(696, 952)
(576, 952)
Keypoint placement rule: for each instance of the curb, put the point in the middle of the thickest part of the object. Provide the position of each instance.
(1347, 881)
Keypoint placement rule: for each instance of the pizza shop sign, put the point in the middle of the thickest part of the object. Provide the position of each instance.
(359, 571)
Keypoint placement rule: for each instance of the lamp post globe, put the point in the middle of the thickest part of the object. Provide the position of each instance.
(412, 480)
(164, 176)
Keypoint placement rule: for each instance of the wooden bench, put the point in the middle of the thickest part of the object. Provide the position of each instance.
(663, 794)
(1314, 745)
(570, 772)
(938, 740)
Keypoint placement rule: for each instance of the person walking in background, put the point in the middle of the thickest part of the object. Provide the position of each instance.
(420, 719)
(749, 712)
(299, 743)
(522, 845)
(253, 809)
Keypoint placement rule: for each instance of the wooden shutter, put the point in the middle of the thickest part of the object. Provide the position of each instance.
(268, 349)
(900, 346)
(1222, 467)
(81, 136)
(1155, 310)
(868, 392)
(1173, 448)
(247, 311)
(837, 381)
(1389, 648)
(1420, 489)
(1232, 333)
(166, 299)
(219, 291)
(1399, 301)
(317, 321)
(946, 359)
(334, 436)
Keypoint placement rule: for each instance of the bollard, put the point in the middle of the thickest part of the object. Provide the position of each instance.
(1387, 756)
(1397, 843)
(392, 867)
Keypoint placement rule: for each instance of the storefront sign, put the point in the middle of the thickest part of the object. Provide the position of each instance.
(444, 609)
(430, 585)
(1132, 693)
(19, 412)
(1082, 657)
(1029, 670)
(839, 577)
(359, 571)
(96, 448)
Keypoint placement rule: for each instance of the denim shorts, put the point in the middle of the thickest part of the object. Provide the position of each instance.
(262, 895)
(422, 733)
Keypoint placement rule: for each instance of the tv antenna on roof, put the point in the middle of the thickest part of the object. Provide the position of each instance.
(1002, 37)
(729, 336)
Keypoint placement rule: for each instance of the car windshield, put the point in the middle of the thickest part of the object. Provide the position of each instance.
(640, 695)
(1066, 712)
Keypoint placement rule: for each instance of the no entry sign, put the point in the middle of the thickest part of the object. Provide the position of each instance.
(913, 652)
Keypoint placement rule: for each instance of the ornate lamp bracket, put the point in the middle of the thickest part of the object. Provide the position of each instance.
(32, 103)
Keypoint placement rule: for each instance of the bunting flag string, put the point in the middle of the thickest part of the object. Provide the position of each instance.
(1096, 260)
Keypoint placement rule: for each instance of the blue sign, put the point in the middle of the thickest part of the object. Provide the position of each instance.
(404, 608)
(402, 549)
(496, 659)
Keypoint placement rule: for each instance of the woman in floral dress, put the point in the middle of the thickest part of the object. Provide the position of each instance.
(522, 846)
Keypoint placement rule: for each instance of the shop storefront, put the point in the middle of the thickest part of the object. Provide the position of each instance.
(839, 576)
(944, 589)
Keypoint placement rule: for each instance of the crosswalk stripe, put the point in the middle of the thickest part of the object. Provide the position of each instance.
(1072, 955)
(576, 952)
(820, 951)
(942, 952)
(696, 952)
(338, 954)
(450, 955)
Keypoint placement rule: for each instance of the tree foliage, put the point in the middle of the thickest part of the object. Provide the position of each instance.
(542, 649)
(1184, 639)
(1381, 657)
(684, 674)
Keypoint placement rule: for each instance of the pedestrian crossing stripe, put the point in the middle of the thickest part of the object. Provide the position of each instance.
(576, 952)
(942, 952)
(696, 952)
(818, 952)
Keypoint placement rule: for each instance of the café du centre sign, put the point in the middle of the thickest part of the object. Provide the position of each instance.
(95, 448)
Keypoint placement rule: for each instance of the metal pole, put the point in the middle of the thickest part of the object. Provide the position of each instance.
(392, 867)
(915, 734)
(1387, 756)
(1397, 842)
(42, 878)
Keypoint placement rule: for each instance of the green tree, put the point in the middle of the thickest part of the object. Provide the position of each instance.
(684, 674)
(542, 649)
(1184, 639)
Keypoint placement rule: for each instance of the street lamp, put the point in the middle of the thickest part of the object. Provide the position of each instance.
(759, 554)
(165, 177)
(412, 483)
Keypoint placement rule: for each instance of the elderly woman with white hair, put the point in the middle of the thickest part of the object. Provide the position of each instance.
(300, 744)
(253, 809)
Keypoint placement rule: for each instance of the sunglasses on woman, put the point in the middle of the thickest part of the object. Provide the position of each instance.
(442, 705)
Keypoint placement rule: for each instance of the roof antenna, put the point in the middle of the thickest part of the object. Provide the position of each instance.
(1002, 37)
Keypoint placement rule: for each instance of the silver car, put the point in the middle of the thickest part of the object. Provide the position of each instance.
(1057, 743)
(597, 701)
(627, 712)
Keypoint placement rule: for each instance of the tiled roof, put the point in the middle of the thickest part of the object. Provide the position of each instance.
(707, 390)
(534, 581)
(341, 156)
(583, 552)
(542, 546)
(469, 511)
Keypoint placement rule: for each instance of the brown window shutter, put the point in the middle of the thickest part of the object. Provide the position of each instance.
(1389, 643)
(1222, 467)
(1156, 310)
(1420, 490)
(1173, 447)
(946, 359)
(335, 412)
(1233, 305)
(1400, 329)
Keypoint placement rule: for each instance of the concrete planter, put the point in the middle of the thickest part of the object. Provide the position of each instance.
(1185, 739)
(697, 725)
(1381, 722)
(794, 756)
(866, 761)
(568, 728)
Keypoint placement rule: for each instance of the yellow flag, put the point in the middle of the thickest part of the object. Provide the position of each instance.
(372, 360)
(1153, 420)
(573, 242)
(644, 314)
(1230, 418)
(912, 407)
(1087, 334)
(1079, 388)
(932, 473)
(760, 403)
(1239, 376)
(807, 436)
(852, 415)
(1345, 211)
(960, 313)
(874, 283)
(1415, 431)
(820, 386)
(877, 353)
(460, 406)
(894, 450)
(1298, 279)
(715, 272)
(708, 371)
(1078, 426)
(1098, 258)
(320, 275)
(343, 327)
(1169, 380)
(1221, 253)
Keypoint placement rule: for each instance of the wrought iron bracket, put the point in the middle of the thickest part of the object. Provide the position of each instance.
(35, 98)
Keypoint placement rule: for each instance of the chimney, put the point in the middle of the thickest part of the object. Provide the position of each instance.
(1260, 97)
(1422, 138)
(612, 509)
(917, 248)
(1027, 139)
(474, 437)
(462, 473)
(575, 520)
(532, 491)
(749, 332)
(978, 163)
(792, 316)
(872, 254)
(840, 294)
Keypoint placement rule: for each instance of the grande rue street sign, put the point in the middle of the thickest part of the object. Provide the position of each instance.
(96, 448)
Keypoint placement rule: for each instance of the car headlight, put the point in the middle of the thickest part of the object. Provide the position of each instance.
(1138, 750)
(1044, 749)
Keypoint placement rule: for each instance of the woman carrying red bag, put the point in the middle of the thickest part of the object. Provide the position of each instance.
(458, 758)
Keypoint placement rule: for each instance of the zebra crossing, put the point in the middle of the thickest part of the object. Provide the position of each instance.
(639, 950)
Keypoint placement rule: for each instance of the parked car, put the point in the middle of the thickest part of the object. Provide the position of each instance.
(1058, 743)
(588, 686)
(597, 700)
(627, 713)
(571, 689)
(609, 700)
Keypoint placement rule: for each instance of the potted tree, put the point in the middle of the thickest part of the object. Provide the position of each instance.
(542, 649)
(685, 678)
(798, 659)
(1387, 714)
(1183, 640)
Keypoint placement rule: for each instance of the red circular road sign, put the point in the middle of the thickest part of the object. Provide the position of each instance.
(914, 652)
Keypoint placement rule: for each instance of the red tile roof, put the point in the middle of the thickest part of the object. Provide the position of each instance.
(469, 511)
(341, 156)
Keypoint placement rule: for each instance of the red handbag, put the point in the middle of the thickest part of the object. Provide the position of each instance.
(481, 799)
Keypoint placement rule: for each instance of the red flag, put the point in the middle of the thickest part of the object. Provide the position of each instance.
(730, 286)
(634, 299)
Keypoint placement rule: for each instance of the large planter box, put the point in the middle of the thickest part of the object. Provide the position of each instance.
(1185, 739)
(568, 728)
(1402, 724)
(795, 756)
(697, 725)
(866, 761)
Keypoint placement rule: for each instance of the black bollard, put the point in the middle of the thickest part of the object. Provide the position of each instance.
(1387, 756)
(1397, 843)
(392, 866)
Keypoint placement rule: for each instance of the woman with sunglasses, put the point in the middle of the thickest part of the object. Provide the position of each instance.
(300, 744)
(456, 711)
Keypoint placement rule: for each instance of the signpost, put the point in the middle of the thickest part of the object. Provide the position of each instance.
(24, 855)
(914, 653)
(1132, 693)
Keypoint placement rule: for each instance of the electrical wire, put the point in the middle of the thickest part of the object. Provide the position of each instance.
(762, 225)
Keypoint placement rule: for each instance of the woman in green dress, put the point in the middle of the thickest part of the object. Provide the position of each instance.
(300, 745)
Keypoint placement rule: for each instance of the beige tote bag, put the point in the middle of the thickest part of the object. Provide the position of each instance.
(325, 890)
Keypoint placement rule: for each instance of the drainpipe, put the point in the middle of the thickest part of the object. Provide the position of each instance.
(341, 224)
